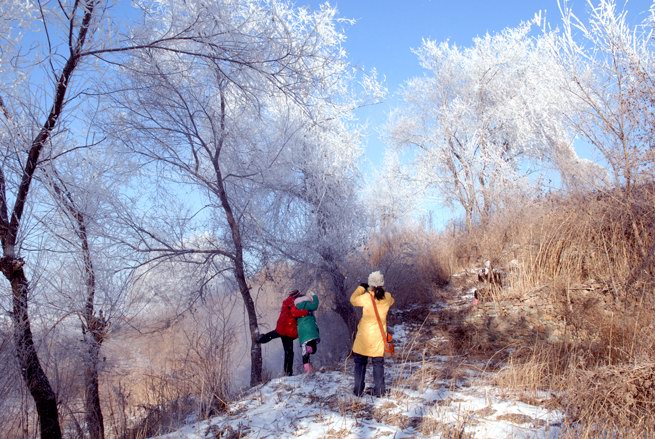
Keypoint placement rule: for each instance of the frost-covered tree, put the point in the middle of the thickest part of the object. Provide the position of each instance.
(482, 115)
(392, 193)
(88, 279)
(316, 219)
(26, 133)
(610, 65)
(217, 127)
(52, 54)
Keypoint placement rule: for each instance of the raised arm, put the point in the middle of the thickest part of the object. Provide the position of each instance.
(297, 313)
(313, 305)
(357, 297)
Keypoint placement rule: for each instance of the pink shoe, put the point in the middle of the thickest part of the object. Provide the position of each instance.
(308, 368)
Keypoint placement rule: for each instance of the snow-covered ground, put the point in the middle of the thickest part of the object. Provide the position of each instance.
(420, 405)
(321, 406)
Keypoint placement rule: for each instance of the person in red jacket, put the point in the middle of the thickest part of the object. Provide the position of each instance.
(286, 329)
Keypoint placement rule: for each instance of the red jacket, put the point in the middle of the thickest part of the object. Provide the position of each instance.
(286, 323)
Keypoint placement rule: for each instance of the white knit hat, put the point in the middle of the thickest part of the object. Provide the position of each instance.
(376, 279)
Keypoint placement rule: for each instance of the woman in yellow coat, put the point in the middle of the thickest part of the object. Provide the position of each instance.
(368, 341)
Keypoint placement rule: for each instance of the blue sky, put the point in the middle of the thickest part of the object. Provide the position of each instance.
(387, 30)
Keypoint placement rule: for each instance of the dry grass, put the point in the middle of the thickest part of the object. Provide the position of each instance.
(622, 398)
(355, 407)
(340, 433)
(455, 430)
(575, 315)
(589, 264)
(180, 371)
(531, 371)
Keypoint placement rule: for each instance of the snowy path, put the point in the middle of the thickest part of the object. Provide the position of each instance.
(421, 404)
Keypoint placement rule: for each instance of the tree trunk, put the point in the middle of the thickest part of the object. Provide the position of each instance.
(239, 267)
(12, 267)
(255, 348)
(94, 419)
(94, 328)
(33, 375)
(469, 218)
(240, 275)
(344, 308)
(342, 305)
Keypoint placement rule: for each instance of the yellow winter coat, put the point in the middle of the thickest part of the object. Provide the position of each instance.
(368, 340)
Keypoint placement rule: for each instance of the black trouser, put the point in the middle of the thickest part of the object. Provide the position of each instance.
(360, 374)
(287, 344)
(305, 357)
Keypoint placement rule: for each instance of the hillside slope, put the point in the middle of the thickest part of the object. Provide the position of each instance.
(432, 394)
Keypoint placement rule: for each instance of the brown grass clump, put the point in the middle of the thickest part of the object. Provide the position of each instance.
(422, 378)
(333, 433)
(431, 426)
(356, 408)
(618, 399)
(532, 369)
(385, 415)
(518, 418)
(607, 240)
(466, 338)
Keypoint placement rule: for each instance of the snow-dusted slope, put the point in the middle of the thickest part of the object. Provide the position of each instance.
(419, 405)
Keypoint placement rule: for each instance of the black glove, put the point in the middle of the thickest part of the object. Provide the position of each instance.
(364, 285)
